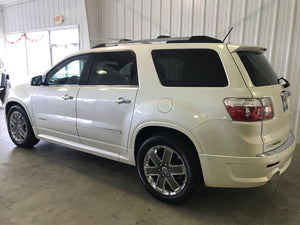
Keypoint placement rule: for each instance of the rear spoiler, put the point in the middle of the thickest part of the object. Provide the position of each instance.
(245, 48)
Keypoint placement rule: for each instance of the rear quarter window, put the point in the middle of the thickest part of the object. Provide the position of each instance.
(258, 68)
(189, 68)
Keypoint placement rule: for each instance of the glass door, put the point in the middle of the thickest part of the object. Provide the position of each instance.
(63, 43)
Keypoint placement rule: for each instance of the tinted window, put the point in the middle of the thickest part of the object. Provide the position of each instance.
(67, 72)
(3, 80)
(114, 68)
(189, 68)
(259, 69)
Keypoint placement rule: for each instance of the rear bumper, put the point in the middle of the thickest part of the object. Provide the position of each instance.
(229, 171)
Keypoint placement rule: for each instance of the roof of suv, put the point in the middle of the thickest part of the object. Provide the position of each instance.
(193, 39)
(165, 39)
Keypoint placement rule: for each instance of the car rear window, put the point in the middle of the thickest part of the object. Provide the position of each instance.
(259, 69)
(189, 68)
(114, 68)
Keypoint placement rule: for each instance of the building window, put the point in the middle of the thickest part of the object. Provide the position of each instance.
(33, 53)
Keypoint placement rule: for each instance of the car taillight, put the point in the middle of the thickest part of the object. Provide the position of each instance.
(268, 109)
(249, 109)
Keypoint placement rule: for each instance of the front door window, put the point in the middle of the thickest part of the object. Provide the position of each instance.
(68, 72)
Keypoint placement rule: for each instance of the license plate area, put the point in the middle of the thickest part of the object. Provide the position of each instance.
(284, 96)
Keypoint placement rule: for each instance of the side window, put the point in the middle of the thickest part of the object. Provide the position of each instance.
(114, 68)
(189, 68)
(67, 72)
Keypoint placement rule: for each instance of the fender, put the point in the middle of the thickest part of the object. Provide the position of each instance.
(180, 129)
(21, 96)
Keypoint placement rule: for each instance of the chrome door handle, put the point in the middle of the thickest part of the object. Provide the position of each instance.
(122, 100)
(67, 97)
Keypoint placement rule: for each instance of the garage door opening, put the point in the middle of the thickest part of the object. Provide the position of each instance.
(31, 54)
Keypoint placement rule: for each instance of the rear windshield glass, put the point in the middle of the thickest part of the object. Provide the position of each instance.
(259, 69)
(189, 68)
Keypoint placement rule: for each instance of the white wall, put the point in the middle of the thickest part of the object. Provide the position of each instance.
(93, 12)
(38, 15)
(2, 40)
(274, 24)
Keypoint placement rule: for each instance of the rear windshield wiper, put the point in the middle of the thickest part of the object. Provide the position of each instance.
(283, 82)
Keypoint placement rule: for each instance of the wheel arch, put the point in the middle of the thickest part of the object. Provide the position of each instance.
(189, 145)
(14, 103)
(147, 130)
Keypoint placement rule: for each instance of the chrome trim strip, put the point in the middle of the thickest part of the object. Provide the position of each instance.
(102, 129)
(281, 148)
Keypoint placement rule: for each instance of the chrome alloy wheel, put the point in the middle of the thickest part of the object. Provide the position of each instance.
(18, 127)
(165, 170)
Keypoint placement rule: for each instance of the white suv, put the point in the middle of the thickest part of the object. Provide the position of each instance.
(181, 110)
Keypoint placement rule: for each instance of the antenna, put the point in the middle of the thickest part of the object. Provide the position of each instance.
(231, 28)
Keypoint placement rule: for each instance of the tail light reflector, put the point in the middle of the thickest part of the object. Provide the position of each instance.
(249, 109)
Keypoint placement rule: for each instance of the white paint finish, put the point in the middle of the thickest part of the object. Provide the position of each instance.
(165, 105)
(198, 120)
(50, 109)
(33, 15)
(108, 128)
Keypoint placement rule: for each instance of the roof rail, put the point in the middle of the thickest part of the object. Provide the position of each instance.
(163, 38)
(197, 39)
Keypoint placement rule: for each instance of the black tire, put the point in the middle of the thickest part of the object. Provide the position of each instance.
(163, 159)
(19, 128)
(3, 94)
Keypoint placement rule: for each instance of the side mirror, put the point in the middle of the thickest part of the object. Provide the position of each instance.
(283, 82)
(36, 81)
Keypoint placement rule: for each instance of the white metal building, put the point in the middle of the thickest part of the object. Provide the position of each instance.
(274, 24)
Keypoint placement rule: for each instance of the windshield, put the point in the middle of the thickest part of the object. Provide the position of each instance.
(259, 69)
